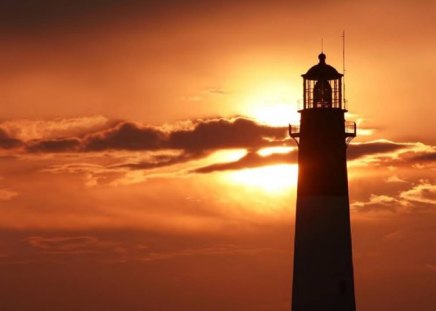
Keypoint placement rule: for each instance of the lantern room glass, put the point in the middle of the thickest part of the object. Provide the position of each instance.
(323, 94)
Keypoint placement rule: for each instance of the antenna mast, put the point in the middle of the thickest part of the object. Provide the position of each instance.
(343, 69)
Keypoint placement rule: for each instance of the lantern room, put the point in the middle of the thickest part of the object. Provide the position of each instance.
(322, 86)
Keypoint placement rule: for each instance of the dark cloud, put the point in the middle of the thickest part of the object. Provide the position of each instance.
(162, 160)
(7, 142)
(250, 160)
(54, 145)
(125, 136)
(362, 149)
(169, 146)
(387, 153)
(204, 136)
(424, 157)
(224, 134)
(355, 151)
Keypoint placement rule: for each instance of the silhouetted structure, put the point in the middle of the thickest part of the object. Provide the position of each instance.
(323, 267)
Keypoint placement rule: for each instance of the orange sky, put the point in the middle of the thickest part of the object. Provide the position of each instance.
(145, 165)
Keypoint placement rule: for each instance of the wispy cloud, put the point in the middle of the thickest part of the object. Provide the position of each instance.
(395, 179)
(7, 194)
(250, 160)
(423, 193)
(207, 251)
(420, 197)
(68, 244)
(26, 130)
(7, 141)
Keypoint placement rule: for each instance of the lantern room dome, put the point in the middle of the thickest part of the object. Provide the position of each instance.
(322, 71)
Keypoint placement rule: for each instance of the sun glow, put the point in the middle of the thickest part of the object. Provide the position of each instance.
(276, 115)
(223, 156)
(271, 179)
(273, 103)
(264, 152)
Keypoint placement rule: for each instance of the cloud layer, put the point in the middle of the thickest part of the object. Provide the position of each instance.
(162, 146)
(198, 136)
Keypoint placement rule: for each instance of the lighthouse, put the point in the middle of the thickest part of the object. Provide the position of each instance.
(323, 265)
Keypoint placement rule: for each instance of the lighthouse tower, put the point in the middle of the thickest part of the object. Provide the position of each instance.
(323, 266)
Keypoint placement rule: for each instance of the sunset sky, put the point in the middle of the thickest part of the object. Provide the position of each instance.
(145, 162)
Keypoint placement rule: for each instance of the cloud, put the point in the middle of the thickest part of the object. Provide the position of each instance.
(223, 133)
(161, 160)
(173, 144)
(194, 136)
(208, 251)
(424, 193)
(378, 203)
(92, 174)
(203, 135)
(409, 152)
(6, 194)
(61, 243)
(68, 244)
(395, 179)
(27, 130)
(250, 160)
(357, 150)
(421, 197)
(125, 136)
(54, 145)
(8, 142)
(424, 157)
(385, 153)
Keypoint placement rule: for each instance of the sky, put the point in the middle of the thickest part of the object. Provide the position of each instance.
(145, 162)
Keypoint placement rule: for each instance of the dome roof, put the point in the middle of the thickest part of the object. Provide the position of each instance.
(322, 71)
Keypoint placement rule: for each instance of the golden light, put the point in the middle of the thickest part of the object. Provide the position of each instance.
(276, 115)
(271, 150)
(223, 156)
(220, 156)
(270, 179)
(273, 103)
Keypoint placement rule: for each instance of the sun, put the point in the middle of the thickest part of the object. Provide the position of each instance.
(274, 103)
(276, 115)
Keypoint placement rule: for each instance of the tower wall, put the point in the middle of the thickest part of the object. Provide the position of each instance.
(323, 268)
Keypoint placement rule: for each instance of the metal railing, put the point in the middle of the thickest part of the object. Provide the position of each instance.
(350, 129)
(311, 105)
(294, 130)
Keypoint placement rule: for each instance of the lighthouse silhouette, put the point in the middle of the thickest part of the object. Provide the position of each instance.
(323, 265)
